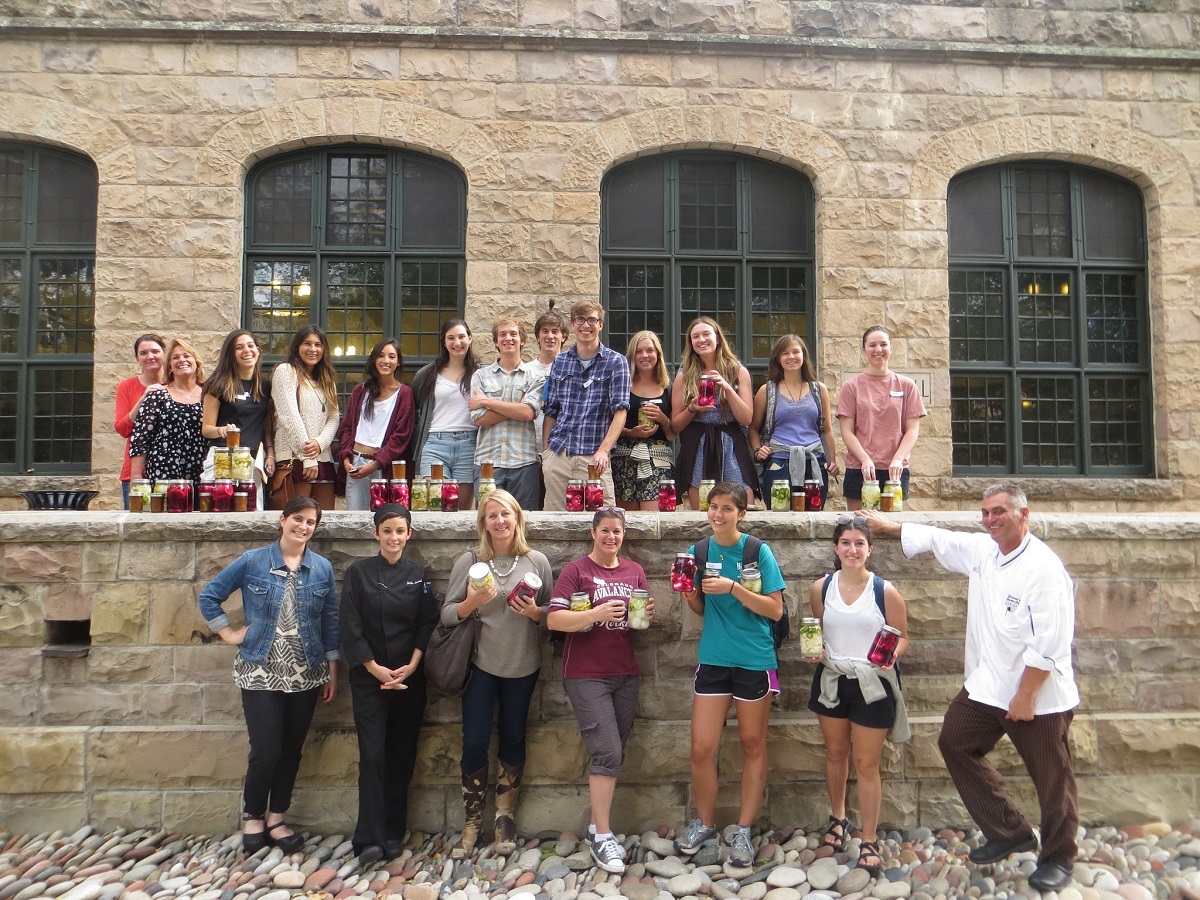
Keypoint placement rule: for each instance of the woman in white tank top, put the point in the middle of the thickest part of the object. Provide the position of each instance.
(851, 725)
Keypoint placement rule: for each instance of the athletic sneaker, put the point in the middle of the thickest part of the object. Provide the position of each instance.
(741, 852)
(693, 836)
(608, 854)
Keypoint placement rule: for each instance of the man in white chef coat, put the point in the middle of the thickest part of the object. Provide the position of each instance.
(1019, 679)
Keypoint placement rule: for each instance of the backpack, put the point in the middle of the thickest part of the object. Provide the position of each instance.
(780, 629)
(877, 584)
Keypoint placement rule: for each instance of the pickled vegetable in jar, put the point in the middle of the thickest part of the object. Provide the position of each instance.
(812, 642)
(781, 496)
(870, 494)
(752, 579)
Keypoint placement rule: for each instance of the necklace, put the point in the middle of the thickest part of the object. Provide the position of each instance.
(498, 573)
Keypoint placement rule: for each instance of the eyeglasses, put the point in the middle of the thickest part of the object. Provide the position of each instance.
(856, 521)
(587, 320)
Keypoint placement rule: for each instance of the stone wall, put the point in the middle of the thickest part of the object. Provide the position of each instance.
(880, 105)
(146, 728)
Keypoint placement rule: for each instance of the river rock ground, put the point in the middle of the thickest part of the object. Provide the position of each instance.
(1155, 861)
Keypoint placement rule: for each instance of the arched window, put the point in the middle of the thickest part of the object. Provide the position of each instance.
(717, 234)
(365, 241)
(1049, 345)
(47, 309)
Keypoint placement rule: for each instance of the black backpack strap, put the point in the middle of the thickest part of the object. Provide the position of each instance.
(825, 588)
(701, 554)
(879, 585)
(751, 548)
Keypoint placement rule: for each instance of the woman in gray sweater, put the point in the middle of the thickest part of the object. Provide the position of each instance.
(507, 660)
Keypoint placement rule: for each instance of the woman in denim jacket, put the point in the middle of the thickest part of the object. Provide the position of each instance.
(286, 650)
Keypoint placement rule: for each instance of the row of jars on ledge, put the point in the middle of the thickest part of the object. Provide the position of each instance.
(177, 495)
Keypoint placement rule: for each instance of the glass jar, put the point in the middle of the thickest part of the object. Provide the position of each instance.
(140, 486)
(703, 490)
(158, 502)
(250, 489)
(812, 642)
(525, 589)
(179, 496)
(379, 492)
(241, 502)
(233, 436)
(683, 573)
(222, 494)
(399, 470)
(204, 503)
(449, 496)
(781, 496)
(706, 391)
(575, 495)
(420, 495)
(885, 500)
(434, 496)
(667, 500)
(222, 463)
(897, 489)
(798, 500)
(870, 494)
(241, 464)
(137, 503)
(638, 620)
(398, 491)
(581, 601)
(487, 470)
(486, 486)
(883, 648)
(480, 576)
(593, 494)
(813, 502)
(752, 579)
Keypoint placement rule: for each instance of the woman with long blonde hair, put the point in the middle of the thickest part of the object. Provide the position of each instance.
(167, 441)
(642, 455)
(304, 395)
(712, 438)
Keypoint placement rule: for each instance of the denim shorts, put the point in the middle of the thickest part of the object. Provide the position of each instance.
(455, 450)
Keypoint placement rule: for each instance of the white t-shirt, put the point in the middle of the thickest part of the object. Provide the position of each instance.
(373, 431)
(850, 628)
(450, 412)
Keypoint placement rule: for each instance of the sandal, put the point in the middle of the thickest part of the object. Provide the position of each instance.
(836, 839)
(868, 851)
(253, 842)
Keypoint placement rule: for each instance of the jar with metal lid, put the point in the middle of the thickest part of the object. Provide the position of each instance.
(703, 490)
(241, 464)
(812, 642)
(222, 463)
(897, 489)
(638, 600)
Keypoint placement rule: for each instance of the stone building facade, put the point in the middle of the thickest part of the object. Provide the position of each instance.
(534, 103)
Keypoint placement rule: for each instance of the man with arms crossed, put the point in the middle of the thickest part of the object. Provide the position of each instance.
(587, 395)
(1019, 679)
(505, 398)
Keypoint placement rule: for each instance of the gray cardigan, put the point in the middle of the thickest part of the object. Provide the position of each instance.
(509, 643)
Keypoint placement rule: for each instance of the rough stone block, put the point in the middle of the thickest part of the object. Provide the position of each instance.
(109, 810)
(168, 757)
(21, 618)
(1120, 801)
(149, 562)
(39, 813)
(330, 758)
(129, 664)
(1162, 743)
(20, 666)
(41, 760)
(201, 812)
(174, 615)
(67, 602)
(22, 563)
(315, 809)
(120, 613)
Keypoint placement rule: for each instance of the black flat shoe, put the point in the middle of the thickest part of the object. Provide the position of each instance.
(393, 849)
(252, 843)
(1049, 876)
(291, 843)
(370, 854)
(994, 851)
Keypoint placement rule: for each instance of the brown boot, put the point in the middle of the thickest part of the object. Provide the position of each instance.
(474, 790)
(508, 789)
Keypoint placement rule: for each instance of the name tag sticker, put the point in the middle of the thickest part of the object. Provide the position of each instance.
(896, 393)
(588, 383)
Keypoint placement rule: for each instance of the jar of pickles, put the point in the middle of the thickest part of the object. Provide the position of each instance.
(638, 620)
(420, 495)
(574, 498)
(398, 491)
(706, 391)
(179, 496)
(812, 642)
(667, 500)
(141, 486)
(581, 601)
(683, 573)
(434, 494)
(752, 579)
(897, 489)
(241, 464)
(250, 489)
(813, 501)
(525, 589)
(486, 486)
(781, 496)
(480, 576)
(222, 463)
(379, 492)
(449, 496)
(204, 500)
(222, 495)
(870, 494)
(883, 648)
(593, 491)
(703, 490)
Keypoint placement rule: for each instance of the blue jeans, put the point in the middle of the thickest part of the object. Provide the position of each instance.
(479, 702)
(358, 490)
(455, 450)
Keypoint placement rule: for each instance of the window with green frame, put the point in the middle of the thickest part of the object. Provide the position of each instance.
(716, 234)
(47, 309)
(1049, 343)
(367, 242)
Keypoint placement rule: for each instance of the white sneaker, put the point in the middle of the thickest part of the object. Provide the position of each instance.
(693, 836)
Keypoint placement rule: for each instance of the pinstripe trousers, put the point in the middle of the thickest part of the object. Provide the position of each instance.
(969, 732)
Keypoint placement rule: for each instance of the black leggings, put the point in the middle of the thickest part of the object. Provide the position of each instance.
(277, 723)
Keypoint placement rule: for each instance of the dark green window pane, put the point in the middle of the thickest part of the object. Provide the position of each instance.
(710, 290)
(1116, 407)
(1045, 326)
(66, 306)
(12, 196)
(636, 302)
(780, 206)
(11, 286)
(283, 204)
(281, 298)
(354, 299)
(779, 304)
(432, 209)
(1113, 322)
(635, 207)
(978, 325)
(10, 416)
(356, 211)
(62, 416)
(67, 191)
(1049, 424)
(429, 296)
(707, 206)
(979, 414)
(974, 220)
(1112, 217)
(1043, 212)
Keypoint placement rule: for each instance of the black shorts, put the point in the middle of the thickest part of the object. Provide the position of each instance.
(851, 705)
(852, 482)
(730, 681)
